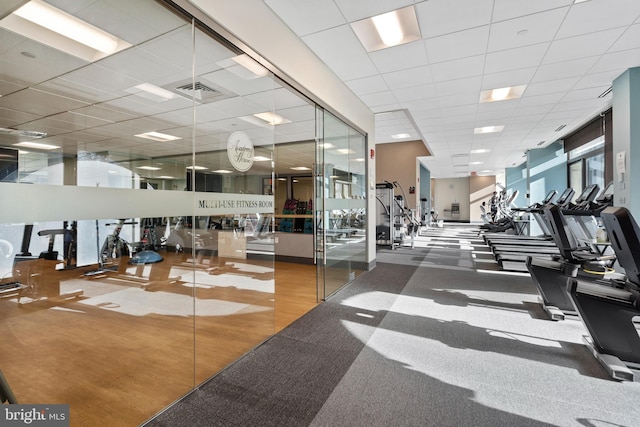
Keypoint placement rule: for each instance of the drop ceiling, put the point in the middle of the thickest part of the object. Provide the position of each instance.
(94, 107)
(567, 54)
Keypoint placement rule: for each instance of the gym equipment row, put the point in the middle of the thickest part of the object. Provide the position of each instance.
(595, 277)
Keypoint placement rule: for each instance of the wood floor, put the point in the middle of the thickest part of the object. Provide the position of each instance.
(130, 344)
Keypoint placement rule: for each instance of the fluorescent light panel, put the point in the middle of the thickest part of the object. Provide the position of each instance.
(38, 145)
(157, 136)
(488, 129)
(502, 93)
(149, 168)
(53, 27)
(153, 92)
(222, 171)
(388, 29)
(272, 118)
(197, 168)
(300, 168)
(400, 135)
(261, 159)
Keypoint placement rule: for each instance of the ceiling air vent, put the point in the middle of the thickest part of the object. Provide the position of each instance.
(202, 92)
(560, 128)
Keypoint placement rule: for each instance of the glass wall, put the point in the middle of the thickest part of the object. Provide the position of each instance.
(137, 220)
(340, 203)
(145, 190)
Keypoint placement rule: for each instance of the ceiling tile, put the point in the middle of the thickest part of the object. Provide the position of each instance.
(400, 57)
(39, 102)
(368, 85)
(564, 69)
(551, 86)
(355, 10)
(352, 67)
(617, 61)
(337, 42)
(458, 45)
(415, 76)
(525, 31)
(465, 86)
(513, 59)
(457, 69)
(309, 16)
(438, 17)
(508, 9)
(630, 39)
(518, 77)
(415, 93)
(582, 46)
(594, 16)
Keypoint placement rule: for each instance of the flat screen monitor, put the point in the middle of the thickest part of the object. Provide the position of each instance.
(565, 196)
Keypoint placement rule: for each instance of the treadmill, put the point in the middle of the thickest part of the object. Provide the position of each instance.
(534, 210)
(576, 259)
(512, 256)
(608, 307)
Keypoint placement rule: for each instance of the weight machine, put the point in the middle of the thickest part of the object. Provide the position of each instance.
(395, 222)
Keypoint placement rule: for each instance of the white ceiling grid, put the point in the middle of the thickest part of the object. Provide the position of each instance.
(96, 106)
(567, 54)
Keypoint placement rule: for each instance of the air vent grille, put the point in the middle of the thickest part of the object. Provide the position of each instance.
(606, 92)
(203, 92)
(560, 128)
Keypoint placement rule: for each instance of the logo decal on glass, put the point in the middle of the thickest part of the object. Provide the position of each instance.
(240, 151)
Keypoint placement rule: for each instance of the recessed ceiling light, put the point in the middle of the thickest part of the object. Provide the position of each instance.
(222, 171)
(261, 159)
(157, 136)
(53, 27)
(166, 177)
(488, 129)
(502, 93)
(272, 118)
(476, 163)
(400, 135)
(300, 168)
(359, 159)
(148, 168)
(326, 145)
(579, 1)
(486, 171)
(344, 151)
(479, 151)
(388, 29)
(198, 168)
(39, 145)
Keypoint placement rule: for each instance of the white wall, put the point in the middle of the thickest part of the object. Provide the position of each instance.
(451, 190)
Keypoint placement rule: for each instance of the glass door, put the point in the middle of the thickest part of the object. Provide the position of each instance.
(340, 204)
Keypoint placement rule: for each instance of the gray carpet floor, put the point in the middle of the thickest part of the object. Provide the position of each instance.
(435, 335)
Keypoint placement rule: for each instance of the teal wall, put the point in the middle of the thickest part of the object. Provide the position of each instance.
(425, 185)
(547, 171)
